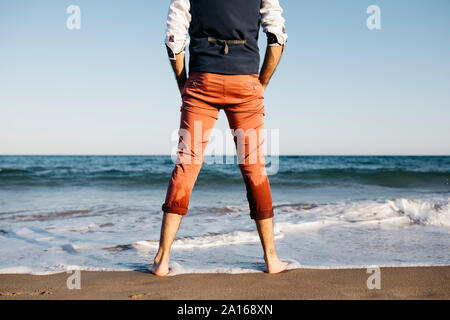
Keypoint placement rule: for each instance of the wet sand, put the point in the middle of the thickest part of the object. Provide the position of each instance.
(396, 283)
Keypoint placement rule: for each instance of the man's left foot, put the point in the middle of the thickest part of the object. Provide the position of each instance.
(160, 268)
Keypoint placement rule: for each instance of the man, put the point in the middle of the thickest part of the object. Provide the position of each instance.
(223, 74)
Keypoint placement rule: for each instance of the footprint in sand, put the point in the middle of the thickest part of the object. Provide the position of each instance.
(37, 292)
(140, 295)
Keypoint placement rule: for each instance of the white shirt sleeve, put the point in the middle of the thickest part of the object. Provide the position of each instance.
(272, 21)
(178, 21)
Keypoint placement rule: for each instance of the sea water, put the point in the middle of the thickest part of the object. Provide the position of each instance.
(104, 213)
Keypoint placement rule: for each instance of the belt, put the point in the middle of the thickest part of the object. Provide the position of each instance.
(225, 43)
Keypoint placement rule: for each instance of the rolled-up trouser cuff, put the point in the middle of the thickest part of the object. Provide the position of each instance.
(172, 209)
(264, 214)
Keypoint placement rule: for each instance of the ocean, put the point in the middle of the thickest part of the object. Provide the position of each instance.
(59, 213)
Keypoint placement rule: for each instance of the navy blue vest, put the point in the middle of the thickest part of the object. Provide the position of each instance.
(226, 20)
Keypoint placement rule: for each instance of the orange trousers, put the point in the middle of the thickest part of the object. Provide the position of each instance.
(241, 97)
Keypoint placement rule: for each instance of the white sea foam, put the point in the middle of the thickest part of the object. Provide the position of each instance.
(52, 246)
(176, 268)
(309, 226)
(14, 270)
(390, 213)
(385, 213)
(54, 269)
(423, 212)
(207, 241)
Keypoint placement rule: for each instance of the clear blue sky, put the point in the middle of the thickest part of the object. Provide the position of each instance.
(340, 88)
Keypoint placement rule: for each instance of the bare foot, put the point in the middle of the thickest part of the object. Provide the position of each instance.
(160, 268)
(275, 265)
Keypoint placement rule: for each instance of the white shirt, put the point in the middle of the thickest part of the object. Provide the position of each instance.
(179, 19)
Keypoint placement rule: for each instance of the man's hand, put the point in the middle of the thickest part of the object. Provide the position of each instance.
(179, 69)
(271, 59)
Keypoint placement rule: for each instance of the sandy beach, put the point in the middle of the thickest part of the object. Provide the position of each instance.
(396, 283)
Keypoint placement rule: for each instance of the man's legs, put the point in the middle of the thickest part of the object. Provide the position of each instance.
(169, 227)
(265, 231)
(247, 120)
(259, 198)
(197, 106)
(198, 117)
(182, 182)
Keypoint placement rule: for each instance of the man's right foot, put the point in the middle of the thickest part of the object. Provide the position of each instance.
(275, 265)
